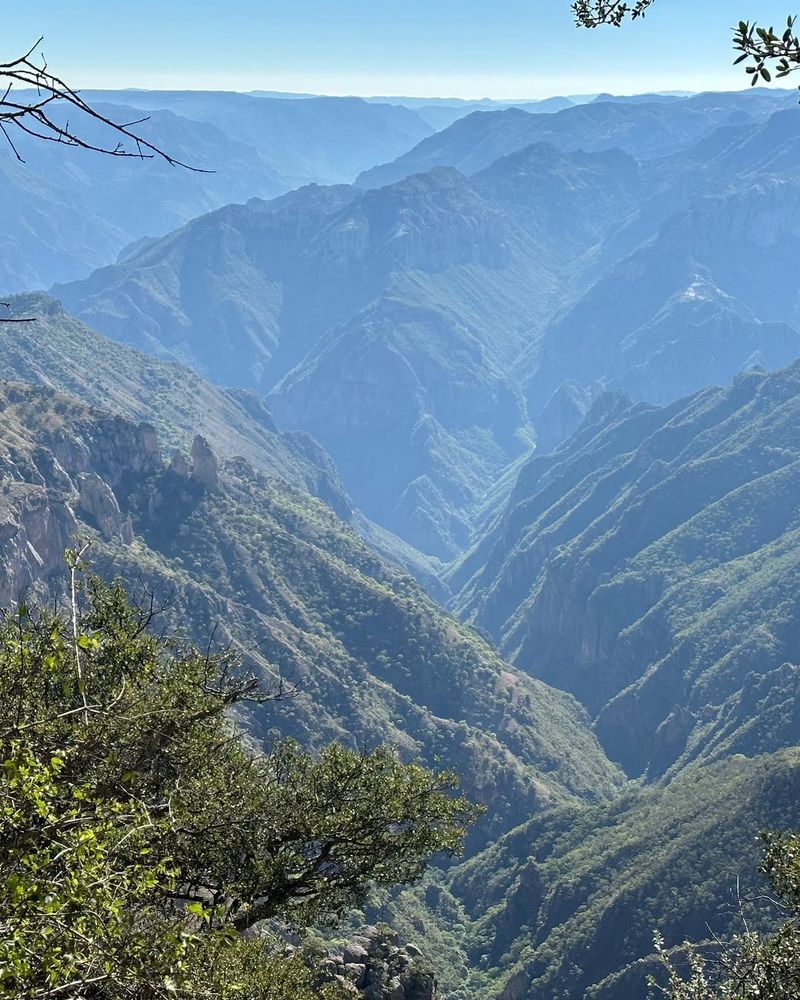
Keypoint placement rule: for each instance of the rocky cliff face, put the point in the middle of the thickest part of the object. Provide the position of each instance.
(61, 479)
(33, 535)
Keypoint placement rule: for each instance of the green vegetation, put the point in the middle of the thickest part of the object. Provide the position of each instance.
(751, 965)
(141, 836)
(60, 352)
(372, 657)
(567, 904)
(63, 354)
(272, 574)
(169, 816)
(266, 569)
(650, 566)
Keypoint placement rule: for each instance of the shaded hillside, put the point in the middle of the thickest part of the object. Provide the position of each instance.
(650, 566)
(413, 278)
(247, 291)
(67, 211)
(327, 140)
(571, 200)
(566, 905)
(736, 153)
(711, 294)
(64, 354)
(269, 571)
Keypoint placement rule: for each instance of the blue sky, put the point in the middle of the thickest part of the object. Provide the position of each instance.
(460, 48)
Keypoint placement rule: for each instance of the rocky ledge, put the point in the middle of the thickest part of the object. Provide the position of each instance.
(375, 966)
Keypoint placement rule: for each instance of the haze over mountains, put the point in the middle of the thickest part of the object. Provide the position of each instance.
(647, 129)
(66, 214)
(419, 330)
(545, 360)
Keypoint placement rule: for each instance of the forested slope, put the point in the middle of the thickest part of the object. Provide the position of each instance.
(567, 905)
(650, 566)
(251, 562)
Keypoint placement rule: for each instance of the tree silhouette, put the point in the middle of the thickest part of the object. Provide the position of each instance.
(34, 101)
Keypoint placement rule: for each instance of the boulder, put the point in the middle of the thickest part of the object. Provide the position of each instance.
(374, 967)
(355, 953)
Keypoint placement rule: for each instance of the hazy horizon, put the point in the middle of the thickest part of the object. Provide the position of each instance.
(518, 51)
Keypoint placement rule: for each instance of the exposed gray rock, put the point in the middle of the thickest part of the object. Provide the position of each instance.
(96, 499)
(355, 953)
(562, 415)
(34, 531)
(205, 468)
(180, 464)
(516, 987)
(111, 446)
(62, 486)
(377, 967)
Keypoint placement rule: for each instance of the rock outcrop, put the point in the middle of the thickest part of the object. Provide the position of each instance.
(63, 469)
(374, 966)
(205, 468)
(34, 531)
(97, 500)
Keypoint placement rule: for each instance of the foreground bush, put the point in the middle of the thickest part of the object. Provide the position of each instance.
(140, 836)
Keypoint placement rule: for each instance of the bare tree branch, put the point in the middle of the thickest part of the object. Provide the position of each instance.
(15, 319)
(23, 78)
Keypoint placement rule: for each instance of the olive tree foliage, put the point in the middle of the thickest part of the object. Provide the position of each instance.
(142, 838)
(759, 46)
(752, 966)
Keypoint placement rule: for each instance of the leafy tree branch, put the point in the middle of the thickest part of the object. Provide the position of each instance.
(753, 965)
(141, 832)
(760, 47)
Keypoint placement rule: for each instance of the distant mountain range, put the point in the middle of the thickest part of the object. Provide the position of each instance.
(67, 211)
(550, 369)
(329, 291)
(425, 332)
(645, 129)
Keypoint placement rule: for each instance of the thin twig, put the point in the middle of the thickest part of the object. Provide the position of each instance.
(34, 117)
